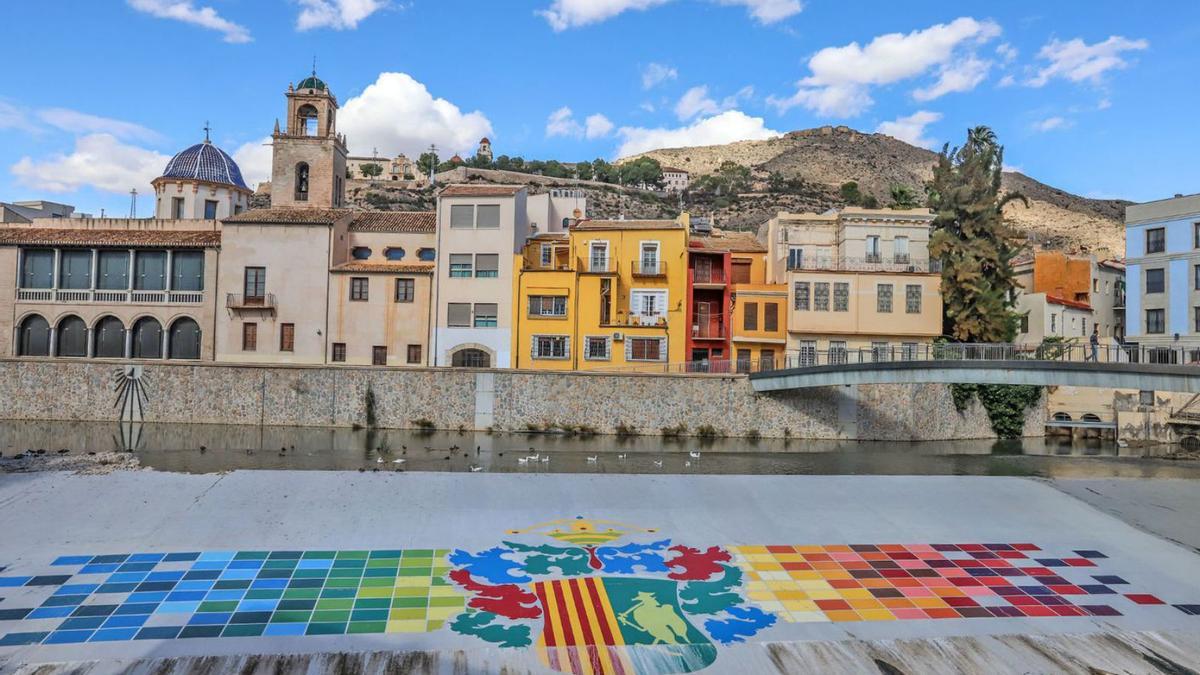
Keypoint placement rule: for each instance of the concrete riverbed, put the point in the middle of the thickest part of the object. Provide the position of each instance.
(317, 571)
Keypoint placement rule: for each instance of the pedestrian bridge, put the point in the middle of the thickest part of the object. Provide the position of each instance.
(1114, 368)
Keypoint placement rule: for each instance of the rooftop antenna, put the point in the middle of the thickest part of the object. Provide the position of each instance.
(133, 203)
(207, 129)
(433, 163)
(314, 65)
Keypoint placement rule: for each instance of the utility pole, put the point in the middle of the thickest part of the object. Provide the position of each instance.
(133, 203)
(432, 163)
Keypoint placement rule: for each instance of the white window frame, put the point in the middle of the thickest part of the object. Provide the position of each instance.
(547, 255)
(637, 297)
(536, 342)
(556, 300)
(643, 247)
(592, 248)
(493, 273)
(587, 347)
(469, 271)
(662, 348)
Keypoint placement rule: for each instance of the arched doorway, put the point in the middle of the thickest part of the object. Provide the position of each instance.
(34, 337)
(110, 338)
(471, 358)
(72, 337)
(185, 339)
(147, 339)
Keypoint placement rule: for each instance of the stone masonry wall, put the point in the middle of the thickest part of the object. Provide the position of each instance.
(478, 400)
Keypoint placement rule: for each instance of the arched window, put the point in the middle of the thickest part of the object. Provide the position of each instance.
(307, 120)
(110, 338)
(360, 253)
(471, 358)
(302, 182)
(34, 339)
(185, 339)
(147, 339)
(72, 337)
(394, 253)
(427, 254)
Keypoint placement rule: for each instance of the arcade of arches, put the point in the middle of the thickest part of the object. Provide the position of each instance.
(71, 337)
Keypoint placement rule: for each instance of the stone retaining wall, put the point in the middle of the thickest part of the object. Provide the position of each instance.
(503, 400)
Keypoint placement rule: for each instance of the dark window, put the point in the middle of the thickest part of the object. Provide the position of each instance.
(1196, 319)
(339, 352)
(185, 339)
(393, 253)
(1196, 235)
(177, 208)
(187, 271)
(460, 264)
(147, 339)
(883, 301)
(379, 356)
(771, 316)
(841, 296)
(912, 299)
(287, 337)
(360, 253)
(359, 288)
(1024, 323)
(605, 301)
(406, 290)
(471, 358)
(550, 347)
(743, 360)
(485, 315)
(150, 271)
(548, 305)
(109, 338)
(75, 270)
(766, 359)
(414, 354)
(458, 314)
(1156, 240)
(256, 284)
(1196, 277)
(35, 337)
(487, 265)
(1155, 280)
(37, 268)
(426, 254)
(1156, 321)
(113, 271)
(740, 272)
(645, 349)
(750, 316)
(249, 337)
(802, 296)
(72, 337)
(210, 209)
(302, 182)
(821, 297)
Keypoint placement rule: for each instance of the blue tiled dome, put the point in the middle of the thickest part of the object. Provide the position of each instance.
(205, 161)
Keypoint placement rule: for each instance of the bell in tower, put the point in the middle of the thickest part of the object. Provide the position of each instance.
(308, 167)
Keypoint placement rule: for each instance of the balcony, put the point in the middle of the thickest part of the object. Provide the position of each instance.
(595, 265)
(713, 277)
(89, 296)
(871, 263)
(709, 331)
(528, 265)
(648, 268)
(637, 320)
(250, 303)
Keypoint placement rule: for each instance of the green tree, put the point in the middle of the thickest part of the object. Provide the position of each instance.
(504, 163)
(851, 194)
(603, 171)
(554, 169)
(584, 171)
(904, 197)
(370, 170)
(974, 243)
(642, 171)
(776, 182)
(427, 161)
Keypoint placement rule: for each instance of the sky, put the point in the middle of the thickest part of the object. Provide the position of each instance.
(1096, 97)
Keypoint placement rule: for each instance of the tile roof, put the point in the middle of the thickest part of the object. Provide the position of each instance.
(1068, 303)
(205, 161)
(585, 225)
(393, 267)
(297, 216)
(394, 221)
(481, 190)
(735, 242)
(56, 236)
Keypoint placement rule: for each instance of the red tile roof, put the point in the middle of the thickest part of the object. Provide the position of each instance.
(585, 225)
(735, 242)
(56, 236)
(289, 216)
(385, 267)
(481, 190)
(1068, 303)
(394, 221)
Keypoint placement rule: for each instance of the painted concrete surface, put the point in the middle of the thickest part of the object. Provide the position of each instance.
(1167, 508)
(753, 528)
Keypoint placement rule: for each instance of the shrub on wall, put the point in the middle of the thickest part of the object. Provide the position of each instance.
(1006, 404)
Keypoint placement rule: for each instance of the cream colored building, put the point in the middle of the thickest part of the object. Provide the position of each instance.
(860, 282)
(482, 229)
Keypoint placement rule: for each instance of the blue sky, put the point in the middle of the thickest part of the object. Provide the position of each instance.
(1096, 97)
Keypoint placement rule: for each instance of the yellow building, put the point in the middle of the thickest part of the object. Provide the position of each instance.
(608, 294)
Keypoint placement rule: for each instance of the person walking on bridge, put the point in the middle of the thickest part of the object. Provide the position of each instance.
(1094, 341)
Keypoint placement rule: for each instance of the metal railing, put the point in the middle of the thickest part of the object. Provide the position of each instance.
(871, 263)
(714, 275)
(714, 328)
(644, 268)
(109, 297)
(239, 301)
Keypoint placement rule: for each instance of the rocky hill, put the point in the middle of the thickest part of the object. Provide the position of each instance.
(827, 157)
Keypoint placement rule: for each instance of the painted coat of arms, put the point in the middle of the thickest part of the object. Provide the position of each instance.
(591, 603)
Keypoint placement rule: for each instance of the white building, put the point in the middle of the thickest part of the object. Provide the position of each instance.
(675, 180)
(202, 182)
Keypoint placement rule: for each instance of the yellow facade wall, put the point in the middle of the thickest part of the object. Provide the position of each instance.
(750, 345)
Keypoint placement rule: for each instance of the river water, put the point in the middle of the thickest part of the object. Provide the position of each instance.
(214, 448)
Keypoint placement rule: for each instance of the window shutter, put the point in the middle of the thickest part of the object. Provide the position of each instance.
(662, 350)
(533, 347)
(628, 349)
(567, 347)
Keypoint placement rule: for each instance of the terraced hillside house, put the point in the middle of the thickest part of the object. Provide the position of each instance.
(861, 285)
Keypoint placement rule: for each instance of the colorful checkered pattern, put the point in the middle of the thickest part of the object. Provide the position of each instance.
(231, 594)
(940, 581)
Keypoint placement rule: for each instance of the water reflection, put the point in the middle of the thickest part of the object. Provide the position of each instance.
(212, 448)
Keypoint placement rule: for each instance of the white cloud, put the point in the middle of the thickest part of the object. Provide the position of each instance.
(254, 159)
(1006, 81)
(697, 102)
(99, 161)
(336, 14)
(562, 122)
(564, 14)
(963, 75)
(911, 129)
(656, 73)
(187, 12)
(597, 126)
(647, 106)
(1104, 104)
(1077, 61)
(82, 123)
(398, 114)
(729, 126)
(841, 77)
(1011, 168)
(1051, 123)
(1007, 52)
(12, 117)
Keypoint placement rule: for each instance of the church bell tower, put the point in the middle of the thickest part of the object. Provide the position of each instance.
(308, 167)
